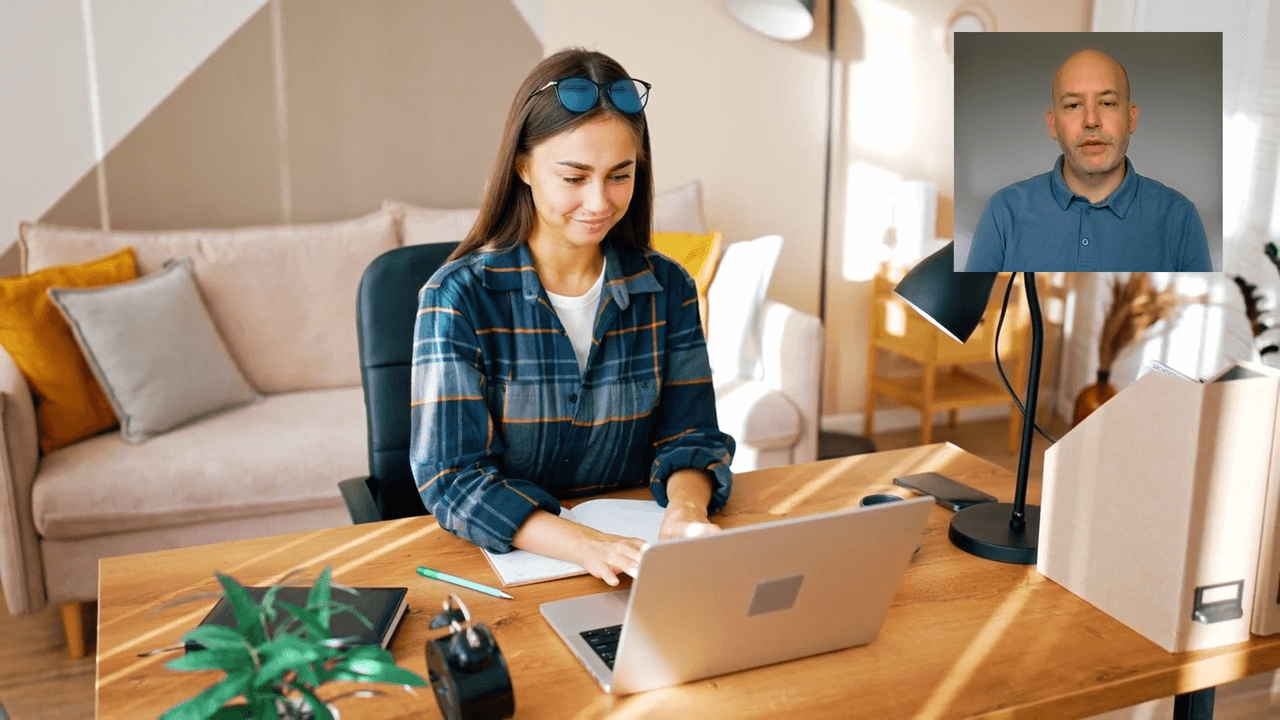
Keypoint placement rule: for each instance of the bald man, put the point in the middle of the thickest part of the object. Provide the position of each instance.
(1092, 212)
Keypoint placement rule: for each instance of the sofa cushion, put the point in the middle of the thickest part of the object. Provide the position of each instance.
(283, 298)
(679, 209)
(283, 454)
(756, 414)
(70, 405)
(145, 340)
(425, 226)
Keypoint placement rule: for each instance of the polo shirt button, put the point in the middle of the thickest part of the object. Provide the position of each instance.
(1085, 241)
(1088, 210)
(644, 383)
(572, 397)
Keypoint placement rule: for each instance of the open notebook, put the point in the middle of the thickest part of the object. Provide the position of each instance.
(629, 518)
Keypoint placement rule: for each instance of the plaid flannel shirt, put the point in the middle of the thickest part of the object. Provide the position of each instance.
(504, 423)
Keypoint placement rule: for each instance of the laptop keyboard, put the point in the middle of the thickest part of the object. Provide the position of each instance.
(604, 641)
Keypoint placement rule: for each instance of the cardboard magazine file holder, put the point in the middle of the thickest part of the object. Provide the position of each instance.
(1153, 506)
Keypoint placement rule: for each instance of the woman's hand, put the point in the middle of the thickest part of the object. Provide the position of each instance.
(606, 556)
(602, 554)
(685, 520)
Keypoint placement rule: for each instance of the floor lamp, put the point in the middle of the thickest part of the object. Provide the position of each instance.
(955, 302)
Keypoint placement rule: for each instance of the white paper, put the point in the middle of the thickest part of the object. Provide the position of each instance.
(628, 518)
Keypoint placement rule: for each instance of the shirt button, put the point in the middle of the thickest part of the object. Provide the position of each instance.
(1085, 241)
(568, 461)
(1088, 210)
(644, 383)
(572, 397)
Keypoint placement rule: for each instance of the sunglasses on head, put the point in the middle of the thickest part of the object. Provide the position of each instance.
(579, 94)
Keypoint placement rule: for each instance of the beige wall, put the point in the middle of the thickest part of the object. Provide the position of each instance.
(740, 112)
(896, 81)
(382, 99)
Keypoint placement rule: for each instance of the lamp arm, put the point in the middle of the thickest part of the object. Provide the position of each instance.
(1017, 523)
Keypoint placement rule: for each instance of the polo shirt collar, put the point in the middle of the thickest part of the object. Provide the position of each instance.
(625, 274)
(1119, 200)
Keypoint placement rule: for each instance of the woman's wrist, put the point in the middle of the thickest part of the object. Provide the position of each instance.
(689, 492)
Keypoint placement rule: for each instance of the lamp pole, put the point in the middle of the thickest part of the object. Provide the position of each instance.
(1010, 532)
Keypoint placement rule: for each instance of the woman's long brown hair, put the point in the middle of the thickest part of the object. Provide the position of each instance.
(507, 214)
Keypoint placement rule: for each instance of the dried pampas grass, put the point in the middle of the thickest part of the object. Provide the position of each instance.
(1135, 306)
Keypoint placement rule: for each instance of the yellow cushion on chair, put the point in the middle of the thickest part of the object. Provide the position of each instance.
(70, 405)
(698, 254)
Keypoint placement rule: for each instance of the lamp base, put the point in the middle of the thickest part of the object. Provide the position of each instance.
(983, 530)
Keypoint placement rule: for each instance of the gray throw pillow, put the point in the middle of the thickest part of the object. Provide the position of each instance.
(154, 350)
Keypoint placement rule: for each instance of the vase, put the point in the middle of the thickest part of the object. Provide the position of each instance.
(1092, 397)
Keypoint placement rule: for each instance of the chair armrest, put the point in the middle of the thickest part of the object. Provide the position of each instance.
(21, 570)
(358, 496)
(792, 363)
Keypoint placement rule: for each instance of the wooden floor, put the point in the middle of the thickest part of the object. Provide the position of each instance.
(39, 681)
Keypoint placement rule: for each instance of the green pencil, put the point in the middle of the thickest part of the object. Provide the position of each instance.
(445, 577)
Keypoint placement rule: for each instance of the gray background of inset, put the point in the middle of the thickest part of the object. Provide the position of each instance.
(1002, 91)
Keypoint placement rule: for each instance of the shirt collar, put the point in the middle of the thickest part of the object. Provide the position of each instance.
(1119, 200)
(625, 273)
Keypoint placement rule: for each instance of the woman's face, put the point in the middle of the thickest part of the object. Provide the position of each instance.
(581, 182)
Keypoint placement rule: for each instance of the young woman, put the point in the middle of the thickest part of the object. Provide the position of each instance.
(556, 355)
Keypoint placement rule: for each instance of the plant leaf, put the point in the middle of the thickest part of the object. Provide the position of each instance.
(230, 659)
(207, 703)
(264, 707)
(215, 636)
(316, 624)
(250, 624)
(318, 599)
(318, 709)
(282, 654)
(377, 671)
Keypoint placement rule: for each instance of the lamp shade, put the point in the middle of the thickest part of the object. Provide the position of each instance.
(953, 301)
(778, 19)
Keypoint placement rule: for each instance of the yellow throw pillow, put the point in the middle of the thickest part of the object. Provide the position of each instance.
(70, 405)
(698, 254)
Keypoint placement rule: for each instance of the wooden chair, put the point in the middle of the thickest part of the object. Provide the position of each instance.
(943, 383)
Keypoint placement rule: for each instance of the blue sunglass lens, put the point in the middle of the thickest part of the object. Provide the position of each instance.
(628, 95)
(577, 94)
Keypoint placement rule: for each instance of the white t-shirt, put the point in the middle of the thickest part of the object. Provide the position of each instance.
(578, 315)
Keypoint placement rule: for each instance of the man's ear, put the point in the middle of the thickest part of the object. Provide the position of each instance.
(522, 167)
(1133, 117)
(1051, 121)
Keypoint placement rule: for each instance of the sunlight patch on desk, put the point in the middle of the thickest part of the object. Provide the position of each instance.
(177, 596)
(806, 491)
(953, 684)
(426, 530)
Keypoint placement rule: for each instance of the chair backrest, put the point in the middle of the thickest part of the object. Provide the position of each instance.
(385, 311)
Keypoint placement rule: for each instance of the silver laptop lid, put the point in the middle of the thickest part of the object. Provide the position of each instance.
(762, 594)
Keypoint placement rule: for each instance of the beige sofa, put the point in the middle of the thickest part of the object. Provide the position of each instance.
(283, 300)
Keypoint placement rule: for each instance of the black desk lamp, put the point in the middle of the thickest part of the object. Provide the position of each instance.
(955, 302)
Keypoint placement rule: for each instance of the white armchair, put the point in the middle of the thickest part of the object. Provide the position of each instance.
(774, 419)
(765, 361)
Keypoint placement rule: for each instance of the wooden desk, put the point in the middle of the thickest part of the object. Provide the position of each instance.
(965, 637)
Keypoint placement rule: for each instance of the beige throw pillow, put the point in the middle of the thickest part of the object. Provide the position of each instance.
(154, 350)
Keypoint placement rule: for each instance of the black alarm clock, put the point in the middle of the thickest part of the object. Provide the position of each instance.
(467, 670)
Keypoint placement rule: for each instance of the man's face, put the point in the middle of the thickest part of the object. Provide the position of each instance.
(1092, 117)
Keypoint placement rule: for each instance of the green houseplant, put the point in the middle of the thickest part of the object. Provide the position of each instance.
(277, 673)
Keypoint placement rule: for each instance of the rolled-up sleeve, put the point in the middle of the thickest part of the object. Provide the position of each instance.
(686, 431)
(454, 448)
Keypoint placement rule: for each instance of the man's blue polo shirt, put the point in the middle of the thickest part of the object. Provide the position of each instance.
(1040, 225)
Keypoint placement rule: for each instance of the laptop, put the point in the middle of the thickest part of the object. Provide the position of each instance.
(744, 597)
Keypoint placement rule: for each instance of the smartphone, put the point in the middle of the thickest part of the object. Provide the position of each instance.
(949, 493)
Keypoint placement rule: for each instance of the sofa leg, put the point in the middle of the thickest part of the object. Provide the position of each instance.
(73, 625)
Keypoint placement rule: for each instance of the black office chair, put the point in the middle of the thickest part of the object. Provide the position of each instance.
(386, 307)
